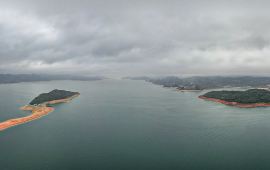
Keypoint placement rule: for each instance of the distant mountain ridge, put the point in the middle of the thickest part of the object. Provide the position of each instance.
(17, 78)
(207, 82)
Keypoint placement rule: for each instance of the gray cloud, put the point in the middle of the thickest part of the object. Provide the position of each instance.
(119, 38)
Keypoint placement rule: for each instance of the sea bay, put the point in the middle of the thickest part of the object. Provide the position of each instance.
(126, 124)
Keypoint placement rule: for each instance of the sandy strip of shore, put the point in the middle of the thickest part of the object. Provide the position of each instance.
(241, 105)
(37, 112)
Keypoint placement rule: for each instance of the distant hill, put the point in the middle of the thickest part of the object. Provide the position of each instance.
(17, 78)
(207, 82)
(53, 95)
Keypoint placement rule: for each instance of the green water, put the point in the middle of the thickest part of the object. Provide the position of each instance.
(125, 124)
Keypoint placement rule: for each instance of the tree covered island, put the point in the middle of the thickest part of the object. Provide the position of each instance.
(248, 98)
(46, 98)
(39, 107)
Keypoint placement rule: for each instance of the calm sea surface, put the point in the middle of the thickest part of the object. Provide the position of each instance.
(125, 124)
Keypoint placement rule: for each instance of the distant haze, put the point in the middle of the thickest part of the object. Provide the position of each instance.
(135, 37)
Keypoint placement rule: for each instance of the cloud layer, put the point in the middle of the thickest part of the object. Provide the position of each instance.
(122, 38)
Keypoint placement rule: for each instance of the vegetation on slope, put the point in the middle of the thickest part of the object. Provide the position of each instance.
(245, 97)
(53, 95)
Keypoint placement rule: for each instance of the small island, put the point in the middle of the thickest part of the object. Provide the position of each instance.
(40, 106)
(55, 96)
(245, 99)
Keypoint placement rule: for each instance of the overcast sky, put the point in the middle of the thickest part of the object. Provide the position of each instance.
(133, 37)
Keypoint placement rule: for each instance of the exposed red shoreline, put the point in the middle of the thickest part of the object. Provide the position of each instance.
(37, 112)
(241, 105)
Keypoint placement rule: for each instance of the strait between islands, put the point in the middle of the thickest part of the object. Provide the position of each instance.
(40, 106)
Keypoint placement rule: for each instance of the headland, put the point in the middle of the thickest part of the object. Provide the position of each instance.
(40, 107)
(244, 99)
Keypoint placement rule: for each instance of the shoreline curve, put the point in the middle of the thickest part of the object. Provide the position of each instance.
(240, 105)
(37, 112)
